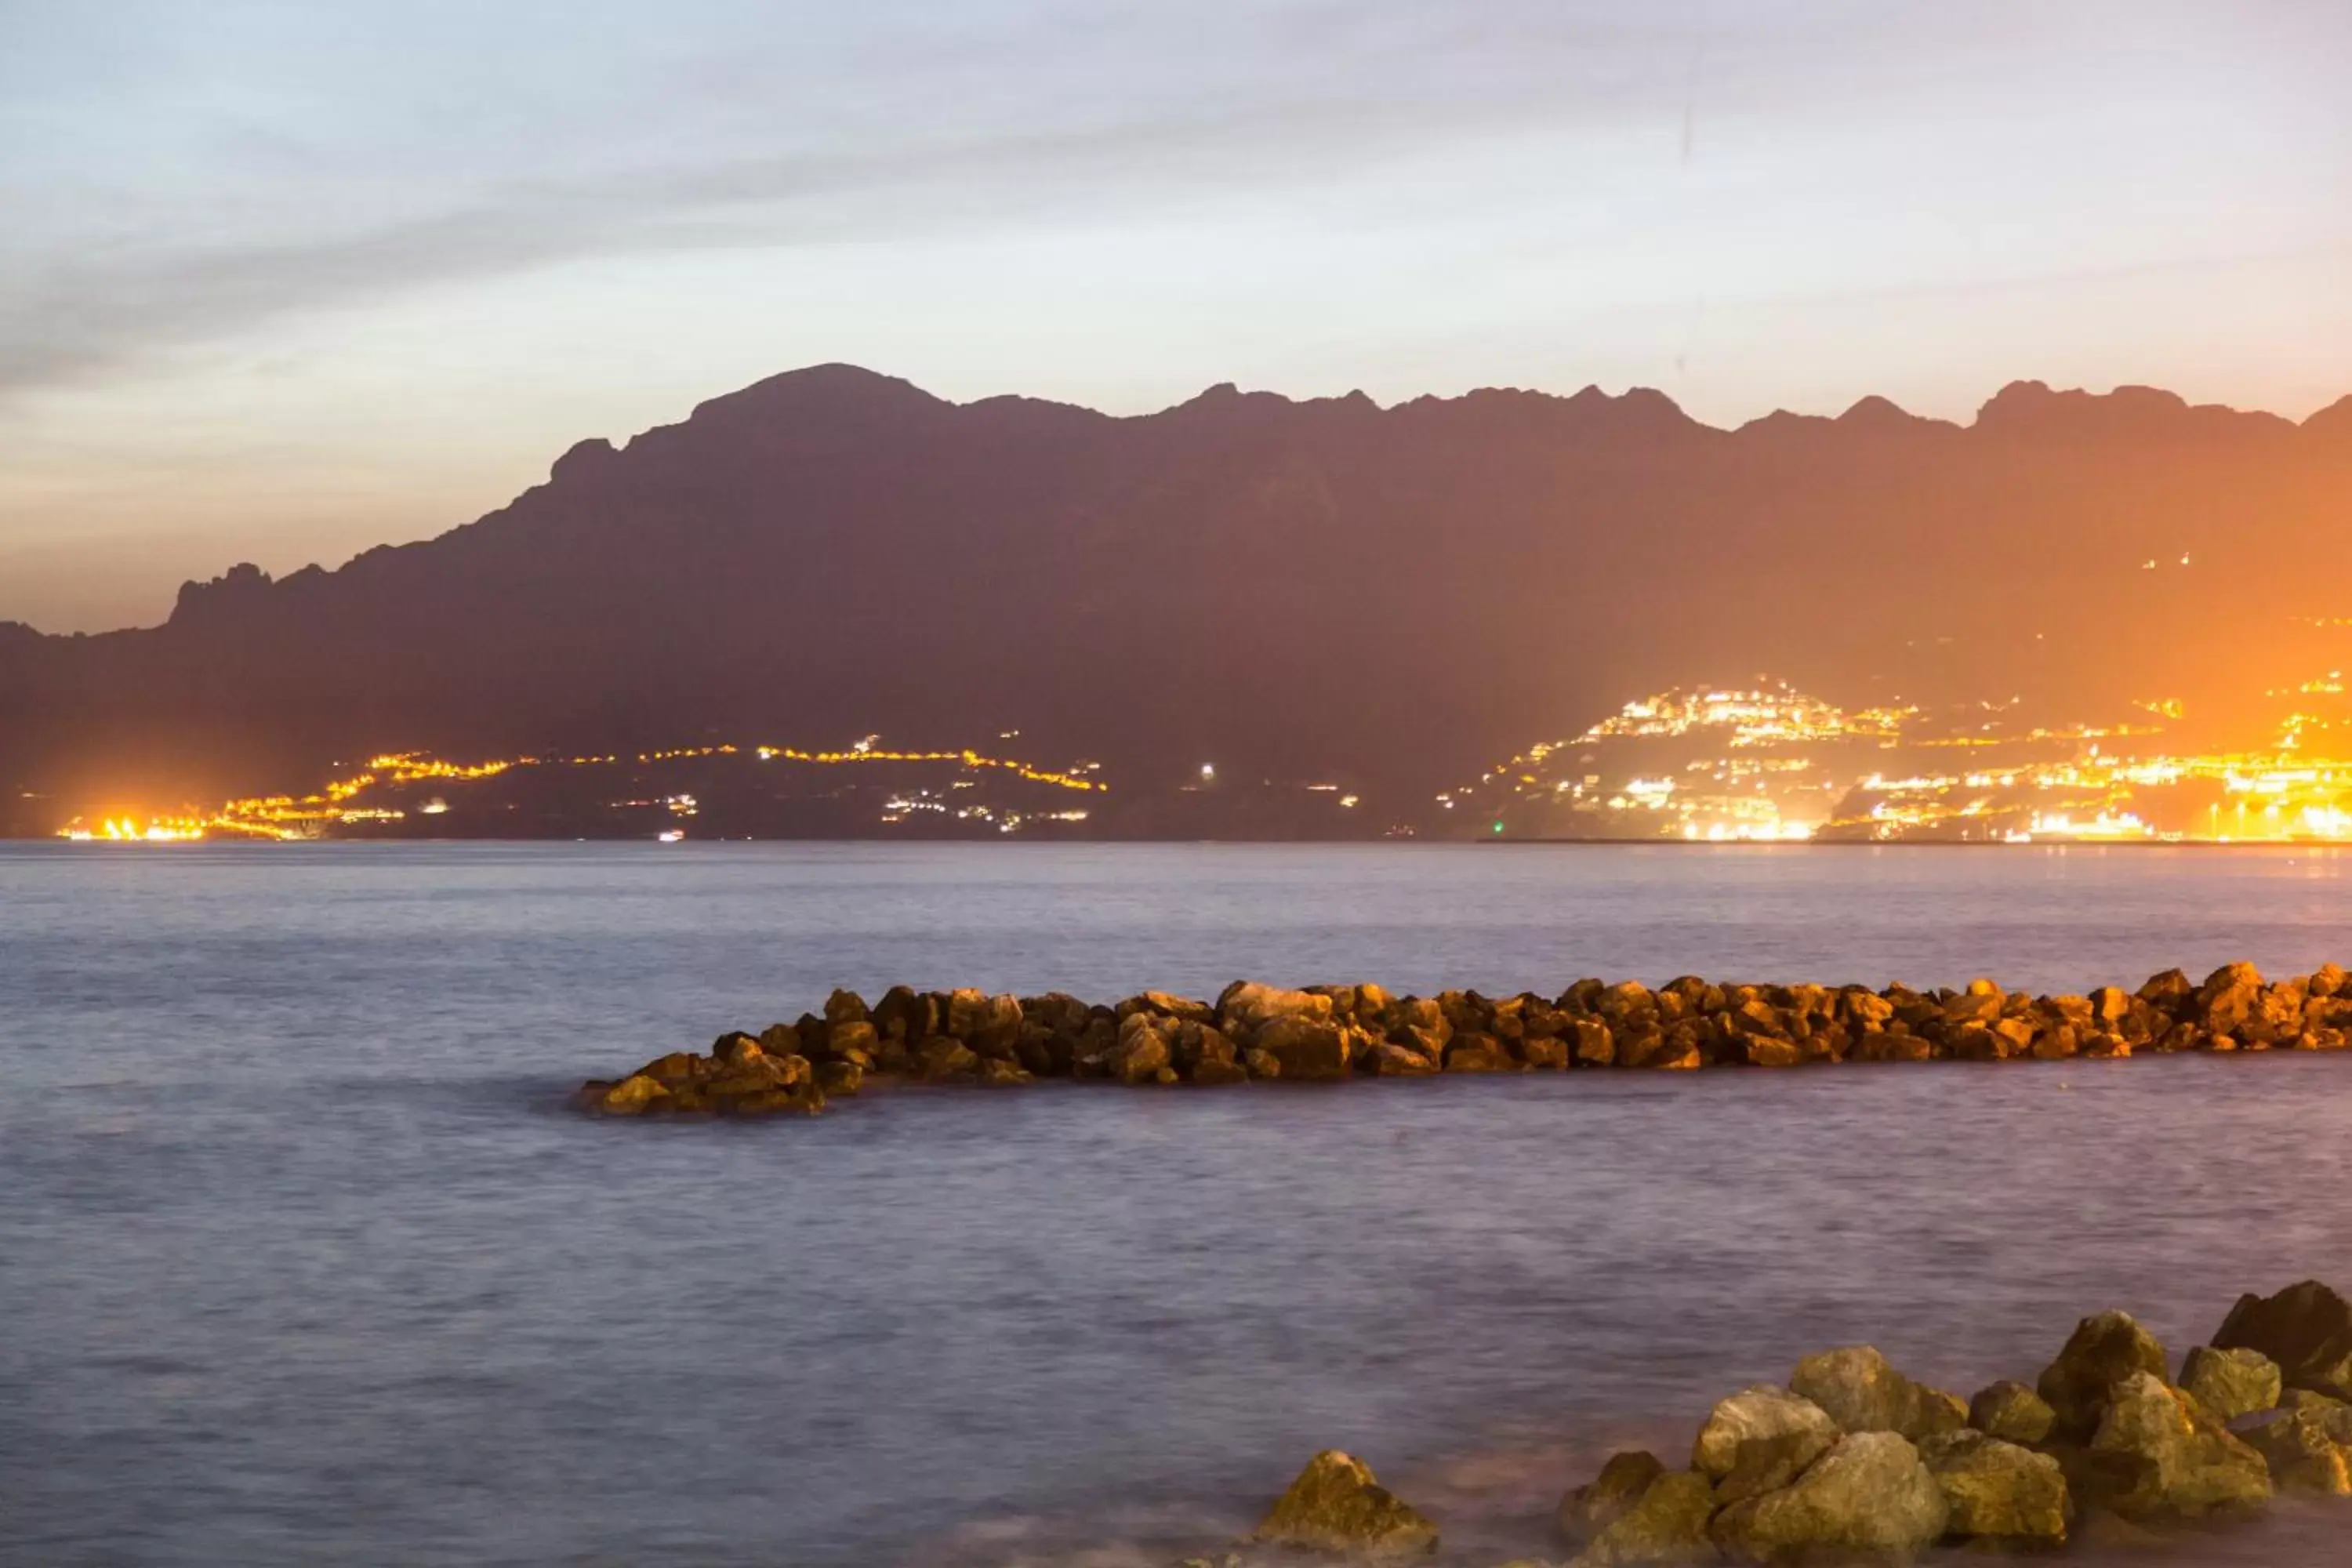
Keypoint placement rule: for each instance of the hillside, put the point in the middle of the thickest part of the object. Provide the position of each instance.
(1386, 596)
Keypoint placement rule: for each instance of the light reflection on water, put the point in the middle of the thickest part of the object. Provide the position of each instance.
(302, 1260)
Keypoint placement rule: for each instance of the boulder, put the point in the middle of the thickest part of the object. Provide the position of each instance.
(2104, 1352)
(1761, 1438)
(1142, 1051)
(1543, 1053)
(997, 1029)
(2167, 993)
(1401, 1061)
(1869, 1497)
(2011, 1412)
(736, 1047)
(1668, 1525)
(1610, 1496)
(1590, 1044)
(2308, 1450)
(1209, 1072)
(850, 1039)
(2230, 998)
(1337, 1506)
(1874, 1045)
(1247, 1006)
(1998, 1492)
(632, 1096)
(1417, 1013)
(2306, 1329)
(995, 1071)
(682, 1067)
(1168, 1004)
(1306, 1048)
(840, 1078)
(846, 1007)
(1474, 1052)
(757, 1073)
(906, 1016)
(1862, 1392)
(940, 1058)
(1193, 1045)
(2231, 1383)
(2159, 1455)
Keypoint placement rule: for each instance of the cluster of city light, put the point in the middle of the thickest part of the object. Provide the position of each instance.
(1773, 764)
(282, 817)
(1772, 717)
(132, 830)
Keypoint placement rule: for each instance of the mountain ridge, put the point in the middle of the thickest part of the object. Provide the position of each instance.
(1279, 582)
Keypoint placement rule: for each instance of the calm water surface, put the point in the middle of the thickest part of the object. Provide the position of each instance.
(302, 1261)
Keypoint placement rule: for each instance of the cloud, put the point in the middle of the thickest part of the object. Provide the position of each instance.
(202, 184)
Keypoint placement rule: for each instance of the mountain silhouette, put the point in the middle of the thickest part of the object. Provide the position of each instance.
(1397, 594)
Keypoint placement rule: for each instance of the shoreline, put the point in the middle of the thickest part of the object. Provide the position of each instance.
(1848, 1460)
(1333, 1033)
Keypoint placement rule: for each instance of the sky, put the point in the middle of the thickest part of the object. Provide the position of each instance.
(279, 282)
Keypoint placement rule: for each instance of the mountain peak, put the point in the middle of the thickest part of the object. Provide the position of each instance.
(2336, 420)
(829, 388)
(223, 597)
(1874, 412)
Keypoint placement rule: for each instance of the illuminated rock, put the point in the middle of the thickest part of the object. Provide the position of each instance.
(2158, 1455)
(2011, 1412)
(1760, 1439)
(1142, 1051)
(2104, 1351)
(632, 1096)
(1247, 1006)
(1998, 1493)
(1306, 1047)
(1477, 1053)
(1860, 1390)
(1870, 1496)
(2308, 1450)
(1337, 1506)
(2231, 1383)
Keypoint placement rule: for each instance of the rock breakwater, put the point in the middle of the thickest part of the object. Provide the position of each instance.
(1255, 1032)
(1852, 1462)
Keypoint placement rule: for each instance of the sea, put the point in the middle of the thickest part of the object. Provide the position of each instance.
(304, 1260)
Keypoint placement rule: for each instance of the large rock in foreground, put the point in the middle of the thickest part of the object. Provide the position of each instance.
(2104, 1351)
(1759, 1439)
(1337, 1506)
(2231, 1383)
(2011, 1412)
(1667, 1526)
(1622, 1483)
(1998, 1493)
(2160, 1455)
(1870, 1497)
(2306, 1327)
(2308, 1449)
(1862, 1392)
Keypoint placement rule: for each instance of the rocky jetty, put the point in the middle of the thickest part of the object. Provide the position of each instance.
(1332, 1033)
(1850, 1462)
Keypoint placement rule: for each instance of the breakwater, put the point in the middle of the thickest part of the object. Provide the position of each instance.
(1255, 1032)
